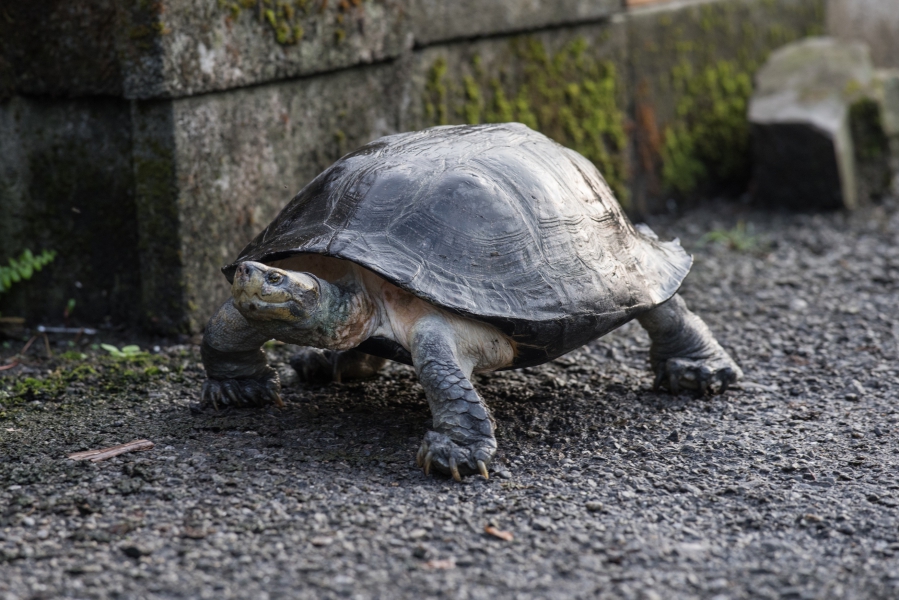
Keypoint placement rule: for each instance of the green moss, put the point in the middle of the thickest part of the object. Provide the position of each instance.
(284, 19)
(868, 137)
(571, 96)
(436, 94)
(710, 136)
(74, 379)
(713, 52)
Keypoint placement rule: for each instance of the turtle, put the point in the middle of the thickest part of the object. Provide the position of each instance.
(456, 250)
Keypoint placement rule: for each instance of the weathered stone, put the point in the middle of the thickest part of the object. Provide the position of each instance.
(886, 91)
(203, 46)
(815, 125)
(169, 48)
(692, 66)
(66, 184)
(439, 21)
(569, 84)
(213, 170)
(874, 22)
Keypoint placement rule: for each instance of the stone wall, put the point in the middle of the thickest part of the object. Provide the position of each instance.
(148, 140)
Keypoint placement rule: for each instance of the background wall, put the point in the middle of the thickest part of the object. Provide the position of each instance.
(147, 141)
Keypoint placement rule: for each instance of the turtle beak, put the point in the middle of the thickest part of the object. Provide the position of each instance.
(249, 279)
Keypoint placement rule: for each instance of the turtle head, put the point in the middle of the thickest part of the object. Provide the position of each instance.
(264, 293)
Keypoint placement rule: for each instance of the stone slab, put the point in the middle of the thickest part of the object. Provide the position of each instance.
(209, 46)
(66, 184)
(875, 22)
(175, 48)
(818, 139)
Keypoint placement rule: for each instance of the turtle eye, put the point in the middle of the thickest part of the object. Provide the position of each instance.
(274, 277)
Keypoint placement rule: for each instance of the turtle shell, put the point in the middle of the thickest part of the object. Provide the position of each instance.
(494, 222)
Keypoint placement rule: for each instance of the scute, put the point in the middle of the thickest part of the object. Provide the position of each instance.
(494, 222)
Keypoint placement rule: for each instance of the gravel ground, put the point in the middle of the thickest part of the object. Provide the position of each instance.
(783, 488)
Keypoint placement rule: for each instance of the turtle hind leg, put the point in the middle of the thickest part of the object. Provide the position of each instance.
(463, 441)
(684, 354)
(326, 366)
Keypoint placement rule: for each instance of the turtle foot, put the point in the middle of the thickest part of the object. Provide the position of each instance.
(442, 454)
(706, 375)
(313, 365)
(324, 366)
(242, 393)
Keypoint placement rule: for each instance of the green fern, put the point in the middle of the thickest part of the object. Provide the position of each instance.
(23, 268)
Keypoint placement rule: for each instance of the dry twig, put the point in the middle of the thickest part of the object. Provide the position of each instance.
(503, 535)
(104, 453)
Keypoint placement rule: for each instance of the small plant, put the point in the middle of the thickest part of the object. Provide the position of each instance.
(24, 267)
(127, 352)
(70, 308)
(740, 238)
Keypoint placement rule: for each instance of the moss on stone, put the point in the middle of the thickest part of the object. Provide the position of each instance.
(868, 137)
(284, 19)
(710, 136)
(711, 52)
(571, 95)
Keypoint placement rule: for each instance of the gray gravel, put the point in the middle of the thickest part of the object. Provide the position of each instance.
(784, 488)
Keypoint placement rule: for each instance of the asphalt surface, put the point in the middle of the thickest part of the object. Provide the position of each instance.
(783, 488)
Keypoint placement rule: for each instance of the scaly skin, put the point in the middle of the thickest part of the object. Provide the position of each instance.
(684, 354)
(462, 442)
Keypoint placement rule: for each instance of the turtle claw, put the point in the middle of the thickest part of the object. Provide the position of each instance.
(454, 468)
(450, 458)
(420, 457)
(241, 393)
(710, 375)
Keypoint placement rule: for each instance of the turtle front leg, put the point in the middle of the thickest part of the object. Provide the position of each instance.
(684, 353)
(236, 368)
(462, 442)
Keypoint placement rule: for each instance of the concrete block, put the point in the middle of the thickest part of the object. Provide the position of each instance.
(693, 64)
(66, 184)
(874, 22)
(213, 170)
(818, 141)
(195, 47)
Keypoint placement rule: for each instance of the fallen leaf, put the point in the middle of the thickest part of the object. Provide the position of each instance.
(503, 535)
(196, 534)
(321, 541)
(445, 563)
